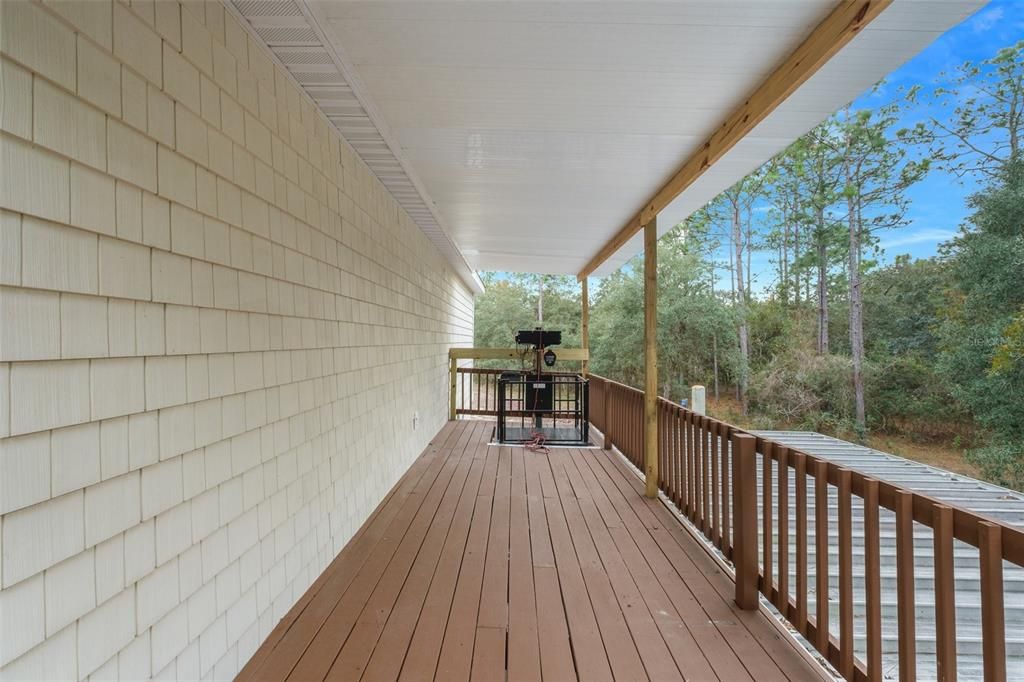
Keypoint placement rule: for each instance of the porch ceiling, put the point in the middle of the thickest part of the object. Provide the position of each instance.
(526, 134)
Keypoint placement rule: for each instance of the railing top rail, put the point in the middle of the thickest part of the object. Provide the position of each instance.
(564, 354)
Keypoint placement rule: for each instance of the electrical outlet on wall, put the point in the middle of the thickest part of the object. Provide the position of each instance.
(415, 420)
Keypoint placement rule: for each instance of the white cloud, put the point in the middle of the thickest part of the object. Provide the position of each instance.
(919, 237)
(983, 21)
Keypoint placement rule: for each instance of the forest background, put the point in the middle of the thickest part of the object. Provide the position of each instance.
(790, 298)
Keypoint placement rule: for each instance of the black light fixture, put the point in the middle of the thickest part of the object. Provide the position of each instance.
(550, 357)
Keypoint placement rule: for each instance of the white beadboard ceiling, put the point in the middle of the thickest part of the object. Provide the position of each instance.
(522, 135)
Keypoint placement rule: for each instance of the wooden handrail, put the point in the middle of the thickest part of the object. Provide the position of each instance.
(702, 455)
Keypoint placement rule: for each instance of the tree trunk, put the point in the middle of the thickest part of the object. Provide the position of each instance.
(785, 258)
(856, 311)
(714, 346)
(747, 244)
(796, 269)
(822, 285)
(732, 268)
(741, 295)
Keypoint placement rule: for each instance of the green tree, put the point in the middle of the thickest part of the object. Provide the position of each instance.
(736, 204)
(510, 303)
(903, 306)
(985, 129)
(812, 183)
(981, 321)
(876, 172)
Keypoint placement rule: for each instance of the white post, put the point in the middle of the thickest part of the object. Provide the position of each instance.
(697, 399)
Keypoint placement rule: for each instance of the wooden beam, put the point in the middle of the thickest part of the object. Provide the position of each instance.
(838, 29)
(564, 354)
(585, 324)
(651, 356)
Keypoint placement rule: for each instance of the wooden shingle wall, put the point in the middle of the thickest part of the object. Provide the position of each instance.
(221, 340)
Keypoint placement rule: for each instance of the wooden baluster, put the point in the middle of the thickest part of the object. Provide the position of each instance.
(716, 525)
(744, 483)
(638, 431)
(945, 592)
(705, 465)
(845, 576)
(993, 623)
(606, 410)
(674, 430)
(905, 583)
(673, 452)
(616, 413)
(699, 479)
(691, 441)
(632, 431)
(722, 431)
(766, 517)
(662, 461)
(782, 603)
(606, 427)
(697, 474)
(821, 555)
(873, 580)
(695, 455)
(684, 435)
(665, 426)
(627, 425)
(800, 463)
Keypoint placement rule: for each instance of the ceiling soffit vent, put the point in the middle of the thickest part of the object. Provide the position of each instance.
(293, 34)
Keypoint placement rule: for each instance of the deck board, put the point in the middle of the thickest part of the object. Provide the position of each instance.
(494, 563)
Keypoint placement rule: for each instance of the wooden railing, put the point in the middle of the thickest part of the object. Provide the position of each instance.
(476, 391)
(711, 471)
(480, 396)
(476, 394)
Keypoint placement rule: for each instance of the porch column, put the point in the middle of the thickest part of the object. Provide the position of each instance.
(585, 325)
(651, 355)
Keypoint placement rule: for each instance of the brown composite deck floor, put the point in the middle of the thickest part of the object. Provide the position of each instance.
(487, 561)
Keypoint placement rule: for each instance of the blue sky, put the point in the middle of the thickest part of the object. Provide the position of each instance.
(938, 203)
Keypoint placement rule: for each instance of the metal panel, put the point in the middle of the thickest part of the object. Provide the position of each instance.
(1001, 504)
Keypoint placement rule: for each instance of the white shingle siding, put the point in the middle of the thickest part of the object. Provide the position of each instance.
(208, 301)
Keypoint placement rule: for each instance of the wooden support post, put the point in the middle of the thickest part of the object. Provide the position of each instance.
(585, 323)
(453, 375)
(744, 507)
(651, 355)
